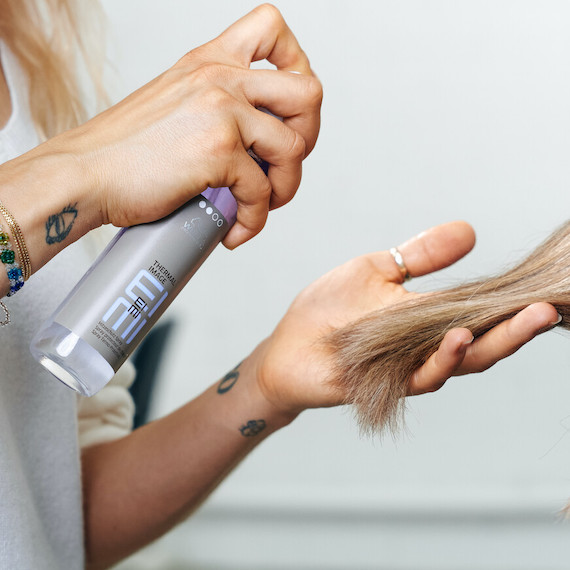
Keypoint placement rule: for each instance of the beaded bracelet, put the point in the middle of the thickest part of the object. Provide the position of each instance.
(19, 242)
(16, 275)
(8, 258)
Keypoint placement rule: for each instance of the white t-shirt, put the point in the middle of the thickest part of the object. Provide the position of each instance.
(41, 522)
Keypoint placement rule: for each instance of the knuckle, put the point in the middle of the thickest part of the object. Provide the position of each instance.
(211, 73)
(271, 13)
(479, 361)
(265, 190)
(205, 85)
(314, 91)
(254, 223)
(483, 366)
(296, 147)
(437, 385)
(217, 101)
(257, 194)
(225, 140)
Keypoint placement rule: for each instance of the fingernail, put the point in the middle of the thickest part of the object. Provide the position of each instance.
(468, 342)
(550, 325)
(558, 320)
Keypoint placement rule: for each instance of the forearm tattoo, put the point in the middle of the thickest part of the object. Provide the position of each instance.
(229, 380)
(59, 225)
(252, 428)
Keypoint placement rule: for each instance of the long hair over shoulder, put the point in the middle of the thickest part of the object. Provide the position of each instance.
(56, 42)
(377, 355)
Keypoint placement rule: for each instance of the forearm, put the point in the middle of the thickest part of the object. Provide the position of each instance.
(139, 487)
(49, 194)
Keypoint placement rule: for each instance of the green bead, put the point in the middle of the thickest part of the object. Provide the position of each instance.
(7, 256)
(4, 239)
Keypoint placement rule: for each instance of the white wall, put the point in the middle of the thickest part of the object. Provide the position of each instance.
(433, 111)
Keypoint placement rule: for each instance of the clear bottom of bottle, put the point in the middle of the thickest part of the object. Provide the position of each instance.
(70, 359)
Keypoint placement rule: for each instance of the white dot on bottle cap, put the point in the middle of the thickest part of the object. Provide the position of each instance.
(209, 211)
(202, 204)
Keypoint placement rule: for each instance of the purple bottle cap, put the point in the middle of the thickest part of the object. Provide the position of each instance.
(224, 200)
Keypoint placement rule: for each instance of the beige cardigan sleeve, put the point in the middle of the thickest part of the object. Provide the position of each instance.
(108, 414)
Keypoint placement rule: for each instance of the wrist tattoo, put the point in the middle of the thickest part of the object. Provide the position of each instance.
(59, 225)
(229, 380)
(252, 428)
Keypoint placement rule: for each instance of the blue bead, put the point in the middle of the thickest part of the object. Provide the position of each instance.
(16, 279)
(14, 273)
(15, 287)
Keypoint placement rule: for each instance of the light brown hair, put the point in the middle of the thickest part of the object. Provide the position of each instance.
(53, 40)
(376, 355)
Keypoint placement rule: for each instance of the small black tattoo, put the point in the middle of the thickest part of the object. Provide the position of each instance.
(229, 380)
(252, 427)
(59, 225)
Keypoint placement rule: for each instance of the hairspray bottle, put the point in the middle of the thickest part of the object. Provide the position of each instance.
(126, 290)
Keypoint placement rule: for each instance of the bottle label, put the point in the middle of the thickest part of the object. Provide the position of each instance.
(137, 277)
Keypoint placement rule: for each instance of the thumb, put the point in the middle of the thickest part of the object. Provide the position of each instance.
(437, 247)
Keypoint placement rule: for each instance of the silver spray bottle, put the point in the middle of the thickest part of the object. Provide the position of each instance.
(126, 290)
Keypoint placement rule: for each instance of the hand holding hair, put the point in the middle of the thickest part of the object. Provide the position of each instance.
(389, 353)
(356, 336)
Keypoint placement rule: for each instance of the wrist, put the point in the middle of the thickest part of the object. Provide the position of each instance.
(268, 387)
(75, 173)
(277, 412)
(247, 403)
(47, 194)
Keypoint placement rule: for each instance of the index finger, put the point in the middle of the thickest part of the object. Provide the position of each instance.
(264, 34)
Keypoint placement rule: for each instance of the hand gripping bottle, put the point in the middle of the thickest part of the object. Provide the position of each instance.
(126, 290)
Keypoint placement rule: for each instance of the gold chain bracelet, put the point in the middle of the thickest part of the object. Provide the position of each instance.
(19, 242)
